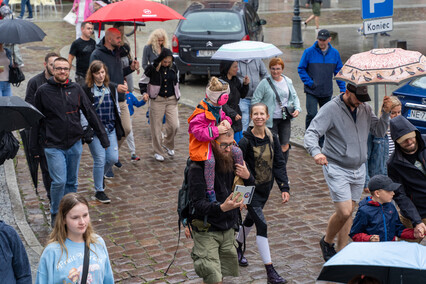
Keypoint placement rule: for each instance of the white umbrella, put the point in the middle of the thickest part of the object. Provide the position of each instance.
(246, 49)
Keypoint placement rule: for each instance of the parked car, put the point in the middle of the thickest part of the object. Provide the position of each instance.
(208, 25)
(413, 98)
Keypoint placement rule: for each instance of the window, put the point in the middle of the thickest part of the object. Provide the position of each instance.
(217, 21)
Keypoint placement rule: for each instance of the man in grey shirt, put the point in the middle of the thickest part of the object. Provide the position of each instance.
(345, 121)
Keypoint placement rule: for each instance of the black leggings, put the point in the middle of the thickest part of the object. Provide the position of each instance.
(255, 216)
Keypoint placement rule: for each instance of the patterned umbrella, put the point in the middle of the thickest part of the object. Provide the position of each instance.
(246, 49)
(383, 66)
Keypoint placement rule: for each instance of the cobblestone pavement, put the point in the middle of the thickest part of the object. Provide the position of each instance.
(140, 225)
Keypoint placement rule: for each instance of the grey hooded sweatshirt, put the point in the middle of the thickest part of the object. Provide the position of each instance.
(345, 141)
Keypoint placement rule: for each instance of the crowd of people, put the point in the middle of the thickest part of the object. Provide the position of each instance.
(239, 134)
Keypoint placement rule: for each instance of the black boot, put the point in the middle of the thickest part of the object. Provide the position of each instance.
(242, 260)
(273, 276)
(52, 220)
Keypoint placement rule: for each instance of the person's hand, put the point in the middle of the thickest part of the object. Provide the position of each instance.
(145, 97)
(187, 232)
(246, 80)
(366, 190)
(321, 159)
(420, 230)
(225, 123)
(295, 113)
(374, 238)
(242, 171)
(135, 66)
(237, 117)
(285, 197)
(122, 88)
(387, 104)
(222, 129)
(231, 203)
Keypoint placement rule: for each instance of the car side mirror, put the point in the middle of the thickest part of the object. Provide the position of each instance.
(261, 22)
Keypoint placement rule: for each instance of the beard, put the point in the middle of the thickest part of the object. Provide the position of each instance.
(224, 161)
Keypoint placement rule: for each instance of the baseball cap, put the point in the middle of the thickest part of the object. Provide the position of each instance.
(401, 139)
(361, 92)
(382, 182)
(323, 34)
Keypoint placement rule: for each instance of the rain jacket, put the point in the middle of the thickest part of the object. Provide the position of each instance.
(345, 140)
(373, 218)
(61, 127)
(316, 71)
(411, 196)
(255, 70)
(266, 163)
(202, 130)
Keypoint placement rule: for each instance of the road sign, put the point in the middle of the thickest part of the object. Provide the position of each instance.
(376, 9)
(378, 26)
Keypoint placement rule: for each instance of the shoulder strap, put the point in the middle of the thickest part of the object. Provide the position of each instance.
(275, 90)
(85, 264)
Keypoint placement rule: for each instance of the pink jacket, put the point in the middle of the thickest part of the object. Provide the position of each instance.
(88, 8)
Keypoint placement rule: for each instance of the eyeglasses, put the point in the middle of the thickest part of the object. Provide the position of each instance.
(223, 146)
(276, 69)
(62, 69)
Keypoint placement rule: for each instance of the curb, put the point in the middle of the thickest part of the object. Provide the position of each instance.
(18, 209)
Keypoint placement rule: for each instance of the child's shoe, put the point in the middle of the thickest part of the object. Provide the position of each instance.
(135, 158)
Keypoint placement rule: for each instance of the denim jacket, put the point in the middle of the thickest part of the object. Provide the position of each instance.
(9, 56)
(377, 156)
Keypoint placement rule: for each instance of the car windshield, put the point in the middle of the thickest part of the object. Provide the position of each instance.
(208, 21)
(419, 82)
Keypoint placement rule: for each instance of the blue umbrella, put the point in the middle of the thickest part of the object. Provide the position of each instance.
(390, 262)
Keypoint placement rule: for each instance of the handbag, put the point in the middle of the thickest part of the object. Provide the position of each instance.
(85, 264)
(287, 110)
(71, 17)
(16, 76)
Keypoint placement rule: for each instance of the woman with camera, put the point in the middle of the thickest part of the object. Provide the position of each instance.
(103, 96)
(278, 94)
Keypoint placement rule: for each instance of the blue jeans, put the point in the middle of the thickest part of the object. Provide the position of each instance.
(63, 169)
(377, 156)
(30, 10)
(245, 110)
(103, 159)
(5, 89)
(312, 107)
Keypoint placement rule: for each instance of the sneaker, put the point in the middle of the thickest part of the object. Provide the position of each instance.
(109, 174)
(118, 164)
(135, 158)
(158, 157)
(327, 249)
(101, 197)
(169, 152)
(29, 19)
(305, 24)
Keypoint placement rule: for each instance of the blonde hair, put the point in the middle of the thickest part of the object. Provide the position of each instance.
(215, 85)
(59, 232)
(153, 40)
(395, 101)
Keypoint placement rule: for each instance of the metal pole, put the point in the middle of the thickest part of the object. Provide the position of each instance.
(376, 87)
(296, 33)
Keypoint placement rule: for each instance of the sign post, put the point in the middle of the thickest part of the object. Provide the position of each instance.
(377, 16)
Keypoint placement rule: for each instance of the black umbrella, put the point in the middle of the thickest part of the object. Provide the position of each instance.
(32, 162)
(15, 113)
(19, 31)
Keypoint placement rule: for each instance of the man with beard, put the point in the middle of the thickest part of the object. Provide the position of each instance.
(213, 222)
(346, 122)
(33, 84)
(60, 132)
(108, 52)
(407, 166)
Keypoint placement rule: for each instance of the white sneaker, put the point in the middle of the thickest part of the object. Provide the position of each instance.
(171, 152)
(158, 157)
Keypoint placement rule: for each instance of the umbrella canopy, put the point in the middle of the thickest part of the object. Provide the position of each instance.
(19, 31)
(32, 162)
(16, 114)
(246, 49)
(134, 10)
(390, 262)
(383, 66)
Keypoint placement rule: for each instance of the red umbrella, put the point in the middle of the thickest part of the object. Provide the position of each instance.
(134, 11)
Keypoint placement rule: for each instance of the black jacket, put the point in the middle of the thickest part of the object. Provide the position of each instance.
(112, 60)
(232, 107)
(33, 84)
(411, 196)
(264, 173)
(220, 221)
(119, 130)
(61, 127)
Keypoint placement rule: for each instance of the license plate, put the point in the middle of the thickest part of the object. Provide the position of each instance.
(417, 114)
(205, 53)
